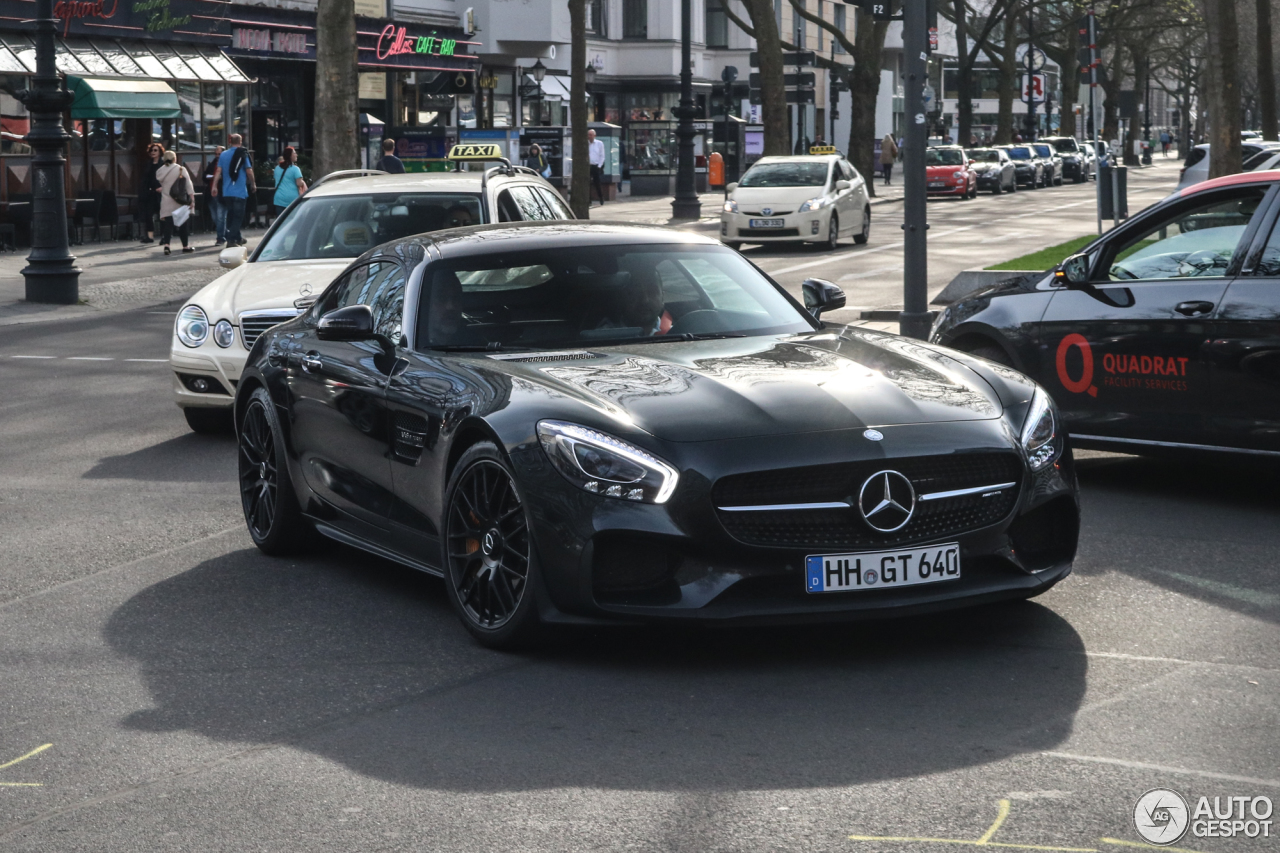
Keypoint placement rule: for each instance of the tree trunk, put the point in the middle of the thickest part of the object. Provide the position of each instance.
(772, 82)
(1222, 57)
(580, 181)
(1266, 73)
(1111, 96)
(864, 90)
(1008, 80)
(1139, 55)
(964, 78)
(336, 145)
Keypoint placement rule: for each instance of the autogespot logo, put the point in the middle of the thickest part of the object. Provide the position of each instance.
(1161, 816)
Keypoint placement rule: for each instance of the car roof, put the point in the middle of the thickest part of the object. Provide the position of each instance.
(798, 158)
(532, 236)
(1270, 176)
(428, 182)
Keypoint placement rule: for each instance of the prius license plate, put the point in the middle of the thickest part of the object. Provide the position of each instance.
(767, 223)
(881, 569)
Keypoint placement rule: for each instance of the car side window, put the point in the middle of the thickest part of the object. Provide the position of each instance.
(850, 173)
(530, 205)
(1195, 242)
(507, 209)
(1269, 262)
(553, 202)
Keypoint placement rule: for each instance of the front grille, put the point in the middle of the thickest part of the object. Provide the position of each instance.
(762, 213)
(774, 232)
(845, 528)
(254, 323)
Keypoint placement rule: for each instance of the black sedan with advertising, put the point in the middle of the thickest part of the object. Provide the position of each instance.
(1161, 336)
(581, 423)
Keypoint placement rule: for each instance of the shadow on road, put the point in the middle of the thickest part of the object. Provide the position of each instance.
(189, 458)
(1208, 527)
(364, 664)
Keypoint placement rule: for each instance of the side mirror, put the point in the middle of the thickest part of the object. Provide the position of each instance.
(233, 257)
(1074, 271)
(731, 187)
(353, 323)
(843, 185)
(821, 295)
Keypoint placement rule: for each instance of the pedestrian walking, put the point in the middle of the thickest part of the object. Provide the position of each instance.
(1165, 140)
(234, 181)
(538, 161)
(888, 155)
(289, 182)
(177, 201)
(595, 154)
(389, 162)
(149, 192)
(217, 212)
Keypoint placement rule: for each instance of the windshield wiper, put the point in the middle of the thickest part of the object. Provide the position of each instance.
(492, 346)
(664, 339)
(710, 336)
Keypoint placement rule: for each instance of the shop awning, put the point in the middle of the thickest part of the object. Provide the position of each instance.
(102, 97)
(91, 58)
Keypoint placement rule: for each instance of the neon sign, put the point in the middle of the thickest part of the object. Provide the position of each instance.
(394, 42)
(69, 10)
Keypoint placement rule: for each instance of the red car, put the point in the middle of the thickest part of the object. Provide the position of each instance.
(949, 171)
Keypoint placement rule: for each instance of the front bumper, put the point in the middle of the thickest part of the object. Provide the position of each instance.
(808, 227)
(988, 179)
(1074, 171)
(608, 560)
(958, 188)
(220, 368)
(1026, 177)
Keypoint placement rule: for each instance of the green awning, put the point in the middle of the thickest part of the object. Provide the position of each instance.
(114, 97)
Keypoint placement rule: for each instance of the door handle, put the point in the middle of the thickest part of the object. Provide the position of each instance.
(1193, 309)
(311, 362)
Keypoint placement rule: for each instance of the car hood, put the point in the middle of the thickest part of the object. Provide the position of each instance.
(761, 386)
(266, 285)
(780, 197)
(942, 171)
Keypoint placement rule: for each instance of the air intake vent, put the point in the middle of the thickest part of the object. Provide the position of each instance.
(572, 355)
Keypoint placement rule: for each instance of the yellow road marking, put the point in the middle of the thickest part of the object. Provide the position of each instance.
(32, 753)
(1119, 842)
(21, 785)
(991, 830)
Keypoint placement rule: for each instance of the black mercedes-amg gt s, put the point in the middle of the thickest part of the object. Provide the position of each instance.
(582, 423)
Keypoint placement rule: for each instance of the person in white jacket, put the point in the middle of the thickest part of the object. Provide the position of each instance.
(174, 212)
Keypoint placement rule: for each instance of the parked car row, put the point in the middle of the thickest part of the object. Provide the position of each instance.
(1257, 155)
(1050, 161)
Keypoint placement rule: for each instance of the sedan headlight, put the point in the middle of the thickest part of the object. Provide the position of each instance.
(193, 326)
(224, 334)
(1040, 431)
(730, 206)
(814, 204)
(957, 174)
(599, 463)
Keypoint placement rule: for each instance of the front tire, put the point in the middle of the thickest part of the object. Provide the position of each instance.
(209, 421)
(491, 565)
(990, 352)
(833, 233)
(864, 235)
(270, 505)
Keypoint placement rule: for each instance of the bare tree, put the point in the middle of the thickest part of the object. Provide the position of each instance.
(337, 88)
(1266, 72)
(773, 93)
(1224, 87)
(579, 183)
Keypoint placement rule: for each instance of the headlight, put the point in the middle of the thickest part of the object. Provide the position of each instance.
(224, 334)
(814, 204)
(730, 206)
(1039, 432)
(957, 174)
(599, 463)
(938, 321)
(193, 326)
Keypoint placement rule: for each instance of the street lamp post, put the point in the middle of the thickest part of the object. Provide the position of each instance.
(51, 273)
(915, 318)
(685, 205)
(589, 79)
(1146, 118)
(539, 72)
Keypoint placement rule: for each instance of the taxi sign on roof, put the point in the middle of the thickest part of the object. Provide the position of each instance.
(822, 149)
(475, 151)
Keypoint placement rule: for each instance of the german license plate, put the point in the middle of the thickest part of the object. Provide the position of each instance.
(882, 569)
(767, 223)
(936, 185)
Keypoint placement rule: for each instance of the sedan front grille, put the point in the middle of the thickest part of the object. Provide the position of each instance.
(843, 527)
(254, 323)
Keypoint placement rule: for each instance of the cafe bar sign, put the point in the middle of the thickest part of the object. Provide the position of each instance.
(198, 21)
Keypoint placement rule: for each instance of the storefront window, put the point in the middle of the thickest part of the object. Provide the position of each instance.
(651, 106)
(186, 134)
(503, 100)
(650, 149)
(122, 134)
(14, 125)
(215, 114)
(612, 108)
(240, 105)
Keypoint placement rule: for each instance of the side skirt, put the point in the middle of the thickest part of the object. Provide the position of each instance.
(377, 550)
(1102, 442)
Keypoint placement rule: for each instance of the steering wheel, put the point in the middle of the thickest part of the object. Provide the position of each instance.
(1119, 273)
(1200, 263)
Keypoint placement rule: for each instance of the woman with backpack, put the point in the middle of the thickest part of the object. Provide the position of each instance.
(177, 201)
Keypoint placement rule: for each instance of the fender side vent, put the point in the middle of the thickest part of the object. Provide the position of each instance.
(569, 355)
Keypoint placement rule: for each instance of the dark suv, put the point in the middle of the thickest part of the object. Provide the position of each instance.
(1076, 163)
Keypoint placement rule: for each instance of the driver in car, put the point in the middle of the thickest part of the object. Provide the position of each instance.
(457, 217)
(642, 306)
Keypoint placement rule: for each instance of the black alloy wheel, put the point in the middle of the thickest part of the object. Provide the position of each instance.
(864, 235)
(270, 506)
(489, 552)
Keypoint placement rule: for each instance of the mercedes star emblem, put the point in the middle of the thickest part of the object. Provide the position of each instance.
(887, 501)
(305, 290)
(872, 435)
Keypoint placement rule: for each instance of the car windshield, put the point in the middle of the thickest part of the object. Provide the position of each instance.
(593, 296)
(943, 157)
(346, 226)
(1066, 146)
(785, 175)
(985, 156)
(1020, 153)
(1043, 150)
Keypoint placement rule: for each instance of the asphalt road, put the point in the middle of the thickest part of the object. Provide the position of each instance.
(195, 695)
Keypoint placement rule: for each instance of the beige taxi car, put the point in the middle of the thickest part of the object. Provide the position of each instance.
(340, 218)
(810, 199)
